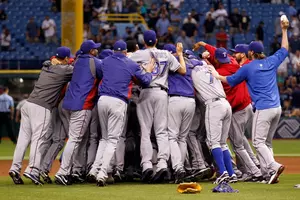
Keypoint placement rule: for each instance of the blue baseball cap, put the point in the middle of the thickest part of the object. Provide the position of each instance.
(188, 52)
(105, 53)
(63, 52)
(221, 55)
(257, 47)
(170, 47)
(88, 45)
(241, 48)
(78, 52)
(120, 45)
(150, 37)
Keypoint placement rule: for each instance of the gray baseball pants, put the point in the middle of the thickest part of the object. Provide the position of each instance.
(239, 122)
(79, 121)
(180, 115)
(60, 132)
(263, 129)
(217, 123)
(94, 137)
(195, 150)
(111, 113)
(34, 127)
(152, 109)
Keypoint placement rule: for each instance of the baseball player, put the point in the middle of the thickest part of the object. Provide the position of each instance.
(94, 128)
(260, 75)
(209, 90)
(240, 102)
(80, 100)
(152, 108)
(112, 104)
(197, 132)
(181, 110)
(36, 115)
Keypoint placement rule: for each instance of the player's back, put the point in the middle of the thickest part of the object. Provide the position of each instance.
(165, 61)
(118, 71)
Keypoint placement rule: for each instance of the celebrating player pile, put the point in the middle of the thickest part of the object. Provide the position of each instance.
(153, 106)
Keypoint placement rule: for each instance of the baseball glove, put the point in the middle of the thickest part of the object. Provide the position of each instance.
(189, 188)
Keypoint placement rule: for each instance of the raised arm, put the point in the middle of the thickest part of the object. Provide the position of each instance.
(179, 49)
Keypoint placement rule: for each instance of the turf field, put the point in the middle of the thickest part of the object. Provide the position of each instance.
(290, 149)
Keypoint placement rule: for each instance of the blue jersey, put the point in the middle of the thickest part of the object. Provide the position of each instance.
(6, 102)
(118, 71)
(260, 76)
(181, 85)
(82, 90)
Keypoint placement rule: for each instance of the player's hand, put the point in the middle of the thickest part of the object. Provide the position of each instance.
(284, 22)
(150, 66)
(205, 55)
(213, 71)
(179, 48)
(198, 45)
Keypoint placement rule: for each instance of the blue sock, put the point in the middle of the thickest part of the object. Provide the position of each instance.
(218, 157)
(227, 161)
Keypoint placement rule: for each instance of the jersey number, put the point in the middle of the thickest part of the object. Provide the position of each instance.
(159, 68)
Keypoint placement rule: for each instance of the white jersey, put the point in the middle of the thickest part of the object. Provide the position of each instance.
(206, 85)
(165, 61)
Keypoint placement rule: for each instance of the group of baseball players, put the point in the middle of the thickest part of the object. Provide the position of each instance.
(166, 112)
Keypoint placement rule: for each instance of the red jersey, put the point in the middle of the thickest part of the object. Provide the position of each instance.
(246, 62)
(238, 96)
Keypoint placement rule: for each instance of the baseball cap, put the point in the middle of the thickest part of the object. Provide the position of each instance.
(170, 47)
(240, 48)
(221, 55)
(257, 47)
(88, 45)
(150, 37)
(105, 53)
(120, 45)
(188, 52)
(62, 52)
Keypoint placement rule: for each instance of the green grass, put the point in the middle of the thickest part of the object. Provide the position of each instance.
(247, 191)
(281, 147)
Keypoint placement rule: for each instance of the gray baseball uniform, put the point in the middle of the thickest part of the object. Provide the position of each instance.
(36, 115)
(60, 131)
(94, 137)
(239, 122)
(218, 111)
(152, 107)
(266, 121)
(195, 151)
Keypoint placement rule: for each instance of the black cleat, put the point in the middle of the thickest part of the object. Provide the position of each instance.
(101, 182)
(15, 176)
(118, 176)
(62, 180)
(46, 177)
(147, 175)
(179, 176)
(159, 176)
(91, 178)
(77, 178)
(36, 180)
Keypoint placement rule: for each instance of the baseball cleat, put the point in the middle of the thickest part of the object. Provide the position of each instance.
(90, 178)
(46, 177)
(35, 179)
(62, 180)
(101, 182)
(276, 174)
(179, 176)
(297, 186)
(233, 179)
(117, 176)
(147, 175)
(15, 176)
(254, 179)
(223, 178)
(77, 178)
(159, 176)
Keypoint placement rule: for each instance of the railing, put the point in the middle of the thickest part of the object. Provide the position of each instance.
(131, 18)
